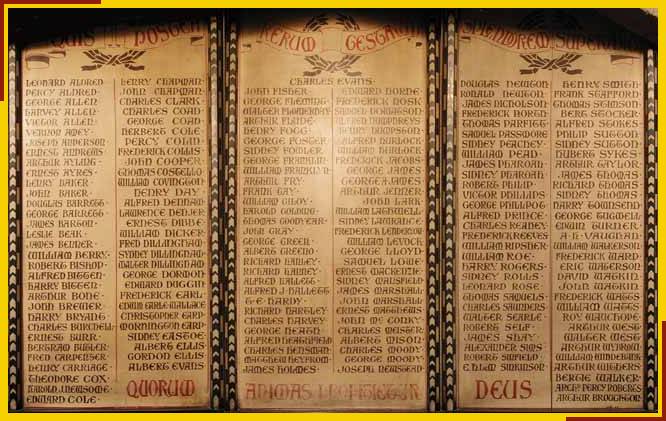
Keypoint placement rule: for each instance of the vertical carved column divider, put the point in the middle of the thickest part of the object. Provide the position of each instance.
(651, 320)
(215, 131)
(434, 231)
(14, 227)
(449, 183)
(230, 72)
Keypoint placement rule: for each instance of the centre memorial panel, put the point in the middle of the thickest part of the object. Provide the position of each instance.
(332, 211)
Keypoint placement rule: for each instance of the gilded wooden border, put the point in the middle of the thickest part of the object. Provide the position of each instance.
(229, 376)
(651, 325)
(215, 340)
(14, 226)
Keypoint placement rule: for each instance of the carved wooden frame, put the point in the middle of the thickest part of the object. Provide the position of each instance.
(14, 262)
(228, 191)
(651, 298)
(216, 94)
(441, 186)
(433, 182)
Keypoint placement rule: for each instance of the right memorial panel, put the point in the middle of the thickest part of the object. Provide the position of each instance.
(549, 213)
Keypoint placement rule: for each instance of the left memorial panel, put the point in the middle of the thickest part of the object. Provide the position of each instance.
(115, 219)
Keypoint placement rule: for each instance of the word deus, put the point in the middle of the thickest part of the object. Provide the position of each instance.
(539, 40)
(160, 388)
(328, 39)
(503, 389)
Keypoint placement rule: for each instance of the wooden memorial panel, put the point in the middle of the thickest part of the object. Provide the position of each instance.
(550, 165)
(332, 211)
(379, 227)
(115, 219)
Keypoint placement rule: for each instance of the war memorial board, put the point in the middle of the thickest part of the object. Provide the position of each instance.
(349, 210)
